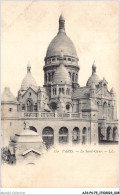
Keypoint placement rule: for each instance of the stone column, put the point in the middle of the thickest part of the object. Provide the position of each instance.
(70, 136)
(56, 136)
(57, 90)
(88, 135)
(104, 132)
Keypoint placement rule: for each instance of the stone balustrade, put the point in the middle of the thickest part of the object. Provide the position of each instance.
(55, 115)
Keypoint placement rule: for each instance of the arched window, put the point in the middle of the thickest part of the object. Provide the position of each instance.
(109, 134)
(55, 91)
(33, 128)
(67, 91)
(23, 107)
(29, 105)
(76, 135)
(35, 107)
(63, 135)
(84, 135)
(48, 76)
(105, 109)
(76, 78)
(48, 136)
(73, 75)
(63, 90)
(59, 90)
(52, 75)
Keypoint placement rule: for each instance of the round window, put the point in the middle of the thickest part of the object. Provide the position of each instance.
(53, 105)
(67, 106)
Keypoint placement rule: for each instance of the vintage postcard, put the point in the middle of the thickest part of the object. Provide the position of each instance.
(59, 94)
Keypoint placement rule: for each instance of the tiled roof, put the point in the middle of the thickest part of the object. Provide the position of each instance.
(7, 96)
(82, 92)
(89, 106)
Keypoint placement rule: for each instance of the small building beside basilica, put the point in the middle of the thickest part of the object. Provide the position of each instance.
(61, 111)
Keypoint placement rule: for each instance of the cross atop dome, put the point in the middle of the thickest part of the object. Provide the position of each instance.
(62, 17)
(28, 67)
(93, 68)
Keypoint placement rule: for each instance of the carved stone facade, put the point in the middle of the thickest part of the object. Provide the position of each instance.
(61, 111)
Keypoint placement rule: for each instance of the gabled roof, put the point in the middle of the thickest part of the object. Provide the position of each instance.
(90, 106)
(33, 89)
(82, 92)
(106, 94)
(31, 150)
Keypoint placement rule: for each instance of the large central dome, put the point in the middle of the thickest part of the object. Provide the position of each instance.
(61, 42)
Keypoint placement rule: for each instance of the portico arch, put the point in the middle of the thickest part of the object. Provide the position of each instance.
(33, 128)
(109, 134)
(76, 135)
(48, 136)
(63, 135)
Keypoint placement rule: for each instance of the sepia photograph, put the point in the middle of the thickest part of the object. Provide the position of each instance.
(59, 94)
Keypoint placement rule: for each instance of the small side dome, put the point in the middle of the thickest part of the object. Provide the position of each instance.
(7, 96)
(93, 78)
(27, 132)
(28, 80)
(61, 75)
(27, 136)
(112, 91)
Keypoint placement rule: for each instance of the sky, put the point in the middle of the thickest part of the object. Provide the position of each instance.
(27, 28)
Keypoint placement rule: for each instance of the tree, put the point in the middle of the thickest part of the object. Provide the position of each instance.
(6, 156)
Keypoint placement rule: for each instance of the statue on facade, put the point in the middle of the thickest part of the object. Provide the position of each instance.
(26, 125)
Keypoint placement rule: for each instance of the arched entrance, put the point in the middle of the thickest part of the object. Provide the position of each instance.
(63, 135)
(84, 135)
(48, 136)
(105, 109)
(109, 134)
(76, 135)
(33, 128)
(29, 105)
(115, 134)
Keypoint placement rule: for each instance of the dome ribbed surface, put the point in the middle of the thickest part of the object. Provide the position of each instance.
(93, 79)
(61, 75)
(7, 96)
(28, 81)
(61, 42)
